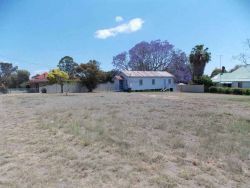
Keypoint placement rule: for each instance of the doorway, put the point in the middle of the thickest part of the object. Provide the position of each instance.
(121, 87)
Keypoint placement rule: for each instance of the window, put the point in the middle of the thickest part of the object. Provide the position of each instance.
(153, 81)
(140, 82)
(169, 81)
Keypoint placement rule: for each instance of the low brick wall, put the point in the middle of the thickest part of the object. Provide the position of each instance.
(190, 88)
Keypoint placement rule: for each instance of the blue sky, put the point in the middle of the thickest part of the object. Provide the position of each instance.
(35, 34)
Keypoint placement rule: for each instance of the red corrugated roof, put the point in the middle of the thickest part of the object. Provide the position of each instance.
(40, 78)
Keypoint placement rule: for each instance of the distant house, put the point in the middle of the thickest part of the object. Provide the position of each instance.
(144, 80)
(240, 78)
(38, 81)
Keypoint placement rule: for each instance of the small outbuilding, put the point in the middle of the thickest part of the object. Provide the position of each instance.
(144, 80)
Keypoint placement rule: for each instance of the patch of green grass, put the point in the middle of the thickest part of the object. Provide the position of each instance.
(241, 126)
(245, 99)
(177, 143)
(164, 181)
(75, 128)
(186, 174)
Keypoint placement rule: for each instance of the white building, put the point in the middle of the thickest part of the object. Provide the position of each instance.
(240, 78)
(144, 80)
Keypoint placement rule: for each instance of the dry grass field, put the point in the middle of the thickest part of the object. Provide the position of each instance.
(124, 140)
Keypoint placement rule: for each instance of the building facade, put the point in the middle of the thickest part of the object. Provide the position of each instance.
(239, 78)
(144, 80)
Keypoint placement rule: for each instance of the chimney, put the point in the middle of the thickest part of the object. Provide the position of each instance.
(223, 69)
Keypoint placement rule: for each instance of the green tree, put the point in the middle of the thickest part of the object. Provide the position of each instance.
(90, 74)
(198, 59)
(18, 79)
(68, 65)
(108, 76)
(206, 81)
(57, 76)
(12, 80)
(22, 77)
(217, 71)
(6, 69)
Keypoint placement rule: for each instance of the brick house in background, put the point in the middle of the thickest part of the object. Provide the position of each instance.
(38, 81)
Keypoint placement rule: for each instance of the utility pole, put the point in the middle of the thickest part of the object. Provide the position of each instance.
(220, 69)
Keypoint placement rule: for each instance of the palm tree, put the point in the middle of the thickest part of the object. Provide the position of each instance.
(198, 59)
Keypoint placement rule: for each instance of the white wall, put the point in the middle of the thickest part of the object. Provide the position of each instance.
(234, 84)
(133, 83)
(116, 82)
(105, 87)
(76, 88)
(244, 84)
(67, 87)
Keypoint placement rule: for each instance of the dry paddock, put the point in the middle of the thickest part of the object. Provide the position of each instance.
(124, 140)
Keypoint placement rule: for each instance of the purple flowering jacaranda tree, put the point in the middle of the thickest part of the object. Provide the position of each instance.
(179, 67)
(154, 56)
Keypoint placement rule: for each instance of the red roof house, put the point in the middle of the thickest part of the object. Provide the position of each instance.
(38, 80)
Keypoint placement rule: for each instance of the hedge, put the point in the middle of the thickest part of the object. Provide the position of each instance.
(3, 89)
(228, 90)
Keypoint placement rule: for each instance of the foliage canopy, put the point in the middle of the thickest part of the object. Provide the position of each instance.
(56, 76)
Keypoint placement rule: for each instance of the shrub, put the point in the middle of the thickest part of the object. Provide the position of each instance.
(228, 90)
(237, 91)
(247, 92)
(3, 89)
(204, 80)
(213, 89)
(220, 90)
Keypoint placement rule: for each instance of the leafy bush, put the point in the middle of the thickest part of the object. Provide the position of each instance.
(246, 91)
(220, 90)
(237, 91)
(213, 89)
(204, 80)
(3, 89)
(228, 90)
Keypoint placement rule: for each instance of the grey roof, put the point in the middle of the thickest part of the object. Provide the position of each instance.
(147, 74)
(241, 74)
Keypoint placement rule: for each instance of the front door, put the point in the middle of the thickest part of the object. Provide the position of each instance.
(121, 87)
(165, 83)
